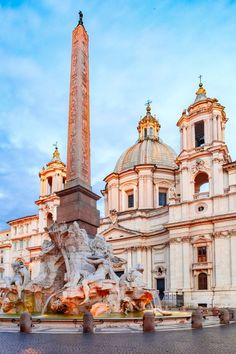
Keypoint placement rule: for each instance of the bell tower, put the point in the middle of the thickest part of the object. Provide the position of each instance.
(52, 179)
(203, 148)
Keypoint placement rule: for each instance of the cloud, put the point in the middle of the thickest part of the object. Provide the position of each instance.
(138, 50)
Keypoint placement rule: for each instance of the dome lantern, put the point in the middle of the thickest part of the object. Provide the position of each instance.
(149, 150)
(201, 92)
(148, 126)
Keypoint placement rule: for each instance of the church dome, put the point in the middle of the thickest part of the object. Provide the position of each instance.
(149, 149)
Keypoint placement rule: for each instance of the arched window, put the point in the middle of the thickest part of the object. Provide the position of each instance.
(150, 132)
(49, 219)
(63, 182)
(49, 185)
(145, 133)
(199, 134)
(202, 281)
(201, 183)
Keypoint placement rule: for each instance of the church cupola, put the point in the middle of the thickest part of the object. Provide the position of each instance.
(148, 126)
(200, 93)
(53, 176)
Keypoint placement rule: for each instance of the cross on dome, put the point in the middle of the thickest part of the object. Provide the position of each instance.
(56, 153)
(148, 107)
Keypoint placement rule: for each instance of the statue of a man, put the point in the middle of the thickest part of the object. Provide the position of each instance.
(104, 270)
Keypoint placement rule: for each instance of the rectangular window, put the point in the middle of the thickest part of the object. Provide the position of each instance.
(21, 244)
(1, 257)
(130, 200)
(162, 197)
(202, 281)
(202, 254)
(199, 134)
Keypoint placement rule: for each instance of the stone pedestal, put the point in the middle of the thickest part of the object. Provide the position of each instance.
(79, 204)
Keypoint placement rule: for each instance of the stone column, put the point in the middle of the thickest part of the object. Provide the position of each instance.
(129, 259)
(219, 129)
(214, 128)
(181, 139)
(193, 136)
(184, 184)
(233, 259)
(149, 267)
(141, 193)
(222, 260)
(184, 138)
(139, 255)
(186, 265)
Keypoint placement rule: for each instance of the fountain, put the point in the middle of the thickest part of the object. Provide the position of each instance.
(76, 274)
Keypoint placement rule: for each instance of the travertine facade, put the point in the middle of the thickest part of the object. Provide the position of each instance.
(174, 215)
(177, 215)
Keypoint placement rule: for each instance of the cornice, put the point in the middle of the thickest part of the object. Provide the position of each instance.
(205, 220)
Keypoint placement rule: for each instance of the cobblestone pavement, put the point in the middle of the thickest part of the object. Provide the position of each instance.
(215, 340)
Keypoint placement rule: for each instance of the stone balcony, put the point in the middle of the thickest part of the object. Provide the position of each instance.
(201, 265)
(201, 195)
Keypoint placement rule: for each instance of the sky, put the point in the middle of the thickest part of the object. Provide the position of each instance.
(139, 50)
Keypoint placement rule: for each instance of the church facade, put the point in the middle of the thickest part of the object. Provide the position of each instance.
(176, 215)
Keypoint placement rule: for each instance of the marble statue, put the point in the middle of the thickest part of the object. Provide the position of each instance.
(20, 278)
(76, 272)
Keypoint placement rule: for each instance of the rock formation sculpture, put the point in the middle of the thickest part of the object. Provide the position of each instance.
(76, 273)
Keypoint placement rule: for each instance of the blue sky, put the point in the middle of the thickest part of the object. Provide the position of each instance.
(138, 50)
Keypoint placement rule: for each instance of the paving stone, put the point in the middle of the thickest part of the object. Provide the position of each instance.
(214, 340)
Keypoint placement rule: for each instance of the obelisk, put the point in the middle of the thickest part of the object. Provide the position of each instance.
(77, 201)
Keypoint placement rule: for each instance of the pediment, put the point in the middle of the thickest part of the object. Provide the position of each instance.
(201, 240)
(117, 231)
